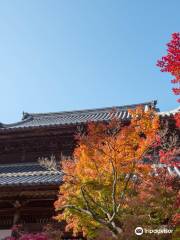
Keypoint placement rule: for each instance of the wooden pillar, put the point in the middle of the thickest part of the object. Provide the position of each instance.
(17, 213)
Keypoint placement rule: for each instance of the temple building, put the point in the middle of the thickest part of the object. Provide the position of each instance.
(28, 186)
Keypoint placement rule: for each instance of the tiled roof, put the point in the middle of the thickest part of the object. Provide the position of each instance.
(177, 110)
(28, 174)
(173, 171)
(31, 120)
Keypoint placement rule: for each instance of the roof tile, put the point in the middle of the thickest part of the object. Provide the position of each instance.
(31, 120)
(28, 174)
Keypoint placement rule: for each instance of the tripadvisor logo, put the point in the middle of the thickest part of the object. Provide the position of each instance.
(139, 231)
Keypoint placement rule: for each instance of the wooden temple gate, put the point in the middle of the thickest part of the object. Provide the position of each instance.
(28, 189)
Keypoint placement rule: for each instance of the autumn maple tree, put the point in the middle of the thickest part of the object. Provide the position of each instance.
(103, 175)
(157, 204)
(171, 62)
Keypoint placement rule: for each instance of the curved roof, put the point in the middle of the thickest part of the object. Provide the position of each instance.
(33, 120)
(177, 110)
(28, 174)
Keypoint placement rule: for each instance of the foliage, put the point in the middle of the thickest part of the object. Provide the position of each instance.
(53, 232)
(171, 62)
(38, 236)
(19, 234)
(169, 140)
(103, 176)
(49, 232)
(158, 200)
(177, 119)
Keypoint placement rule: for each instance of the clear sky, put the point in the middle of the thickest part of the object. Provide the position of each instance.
(60, 55)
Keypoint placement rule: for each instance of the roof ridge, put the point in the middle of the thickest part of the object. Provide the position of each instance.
(32, 173)
(24, 120)
(64, 118)
(125, 107)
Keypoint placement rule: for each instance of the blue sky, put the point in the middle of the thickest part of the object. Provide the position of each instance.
(60, 55)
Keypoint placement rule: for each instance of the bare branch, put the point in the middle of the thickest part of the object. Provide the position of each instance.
(50, 164)
(114, 186)
(71, 206)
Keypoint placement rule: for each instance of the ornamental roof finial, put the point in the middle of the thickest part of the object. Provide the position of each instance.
(25, 115)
